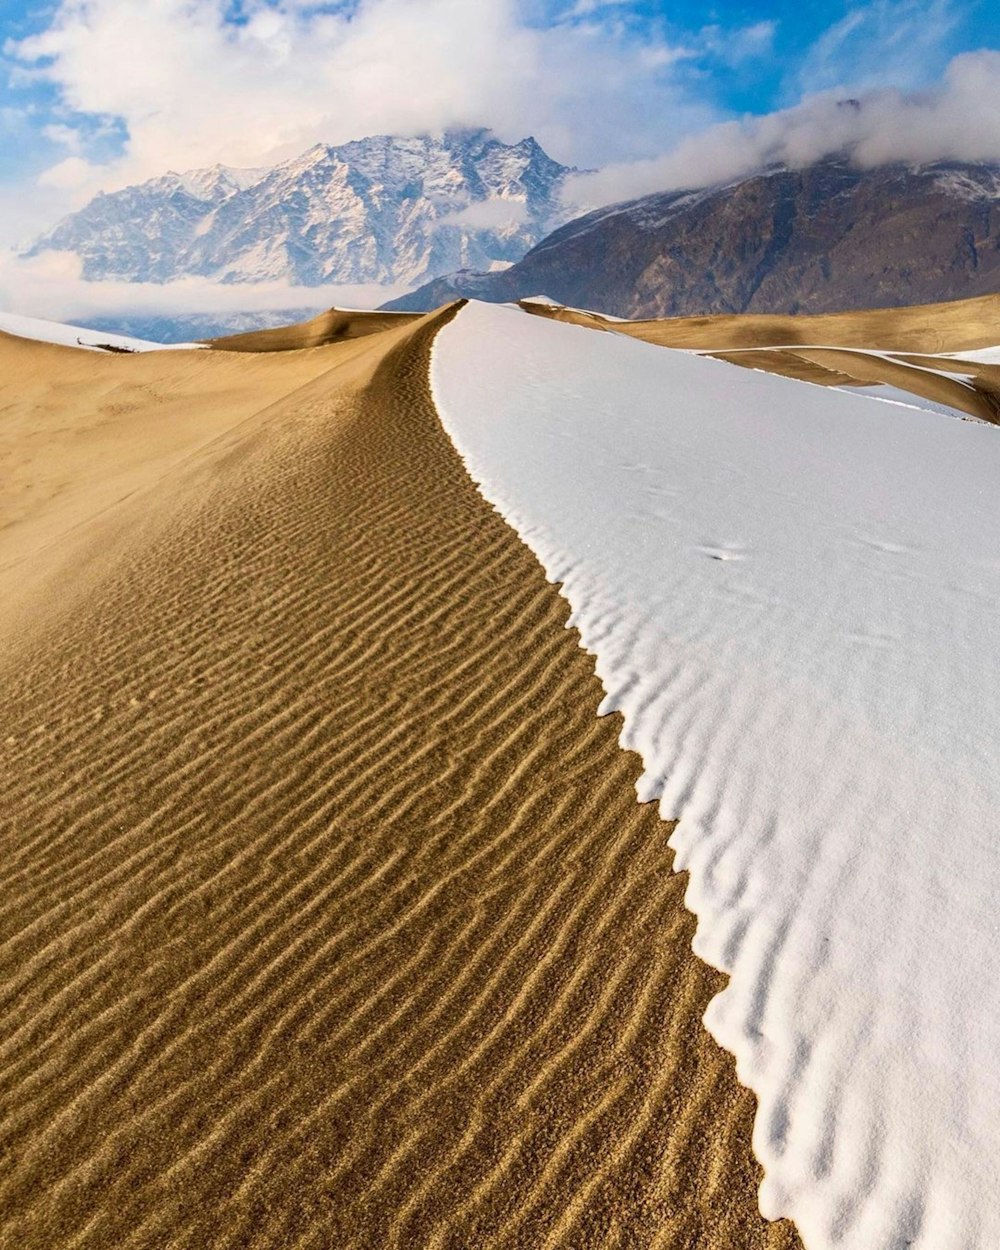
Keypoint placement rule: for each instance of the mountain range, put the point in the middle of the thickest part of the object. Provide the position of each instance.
(378, 210)
(825, 238)
(466, 215)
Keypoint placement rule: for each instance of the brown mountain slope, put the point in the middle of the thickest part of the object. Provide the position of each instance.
(826, 238)
(328, 916)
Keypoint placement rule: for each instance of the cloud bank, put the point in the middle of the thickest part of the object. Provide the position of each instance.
(50, 286)
(191, 88)
(959, 121)
(486, 215)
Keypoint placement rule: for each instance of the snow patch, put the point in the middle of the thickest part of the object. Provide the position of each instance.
(76, 336)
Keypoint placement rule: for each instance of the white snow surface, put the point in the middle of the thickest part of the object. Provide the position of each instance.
(76, 336)
(792, 596)
(906, 399)
(984, 356)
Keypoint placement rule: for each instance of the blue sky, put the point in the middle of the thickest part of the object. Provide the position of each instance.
(733, 59)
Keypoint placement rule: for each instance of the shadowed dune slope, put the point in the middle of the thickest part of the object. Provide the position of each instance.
(332, 326)
(838, 367)
(329, 918)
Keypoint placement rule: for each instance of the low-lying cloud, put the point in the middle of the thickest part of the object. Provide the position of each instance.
(959, 121)
(486, 215)
(51, 286)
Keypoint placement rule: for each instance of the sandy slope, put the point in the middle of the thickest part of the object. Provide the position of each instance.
(950, 327)
(328, 915)
(82, 431)
(333, 326)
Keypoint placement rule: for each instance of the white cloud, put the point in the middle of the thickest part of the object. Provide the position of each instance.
(487, 215)
(72, 174)
(192, 89)
(960, 120)
(50, 286)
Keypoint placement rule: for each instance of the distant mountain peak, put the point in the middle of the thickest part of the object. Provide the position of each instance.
(381, 209)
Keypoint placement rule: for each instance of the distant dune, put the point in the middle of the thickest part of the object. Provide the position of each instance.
(881, 347)
(333, 326)
(328, 914)
(953, 326)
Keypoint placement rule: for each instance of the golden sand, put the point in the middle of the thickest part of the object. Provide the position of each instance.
(328, 915)
(960, 325)
(333, 326)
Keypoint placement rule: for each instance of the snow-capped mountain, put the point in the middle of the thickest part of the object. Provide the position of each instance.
(376, 210)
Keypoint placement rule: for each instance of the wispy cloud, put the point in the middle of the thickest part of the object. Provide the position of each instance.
(959, 120)
(486, 215)
(883, 43)
(736, 45)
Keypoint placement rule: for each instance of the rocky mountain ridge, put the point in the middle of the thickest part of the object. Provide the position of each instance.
(377, 210)
(826, 238)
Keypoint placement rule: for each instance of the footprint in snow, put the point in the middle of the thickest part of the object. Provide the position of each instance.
(722, 551)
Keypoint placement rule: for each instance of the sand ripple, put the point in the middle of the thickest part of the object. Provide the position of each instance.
(328, 916)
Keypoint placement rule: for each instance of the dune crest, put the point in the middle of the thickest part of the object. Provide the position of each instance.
(333, 326)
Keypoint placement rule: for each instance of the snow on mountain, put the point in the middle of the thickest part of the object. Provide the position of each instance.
(791, 594)
(380, 209)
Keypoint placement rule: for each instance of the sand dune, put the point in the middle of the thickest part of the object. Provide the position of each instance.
(328, 916)
(828, 366)
(80, 432)
(840, 349)
(332, 326)
(950, 327)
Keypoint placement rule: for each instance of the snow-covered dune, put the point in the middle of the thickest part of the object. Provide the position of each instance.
(793, 596)
(76, 336)
(984, 356)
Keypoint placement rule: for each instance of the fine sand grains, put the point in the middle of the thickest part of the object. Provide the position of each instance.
(328, 916)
